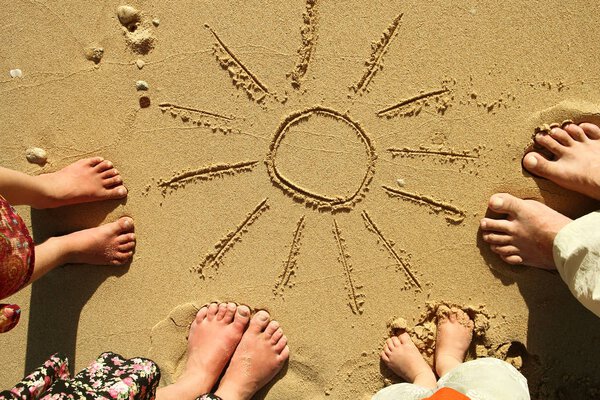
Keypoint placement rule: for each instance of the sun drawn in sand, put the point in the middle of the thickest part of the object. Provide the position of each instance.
(339, 196)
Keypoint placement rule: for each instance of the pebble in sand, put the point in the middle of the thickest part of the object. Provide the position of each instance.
(35, 155)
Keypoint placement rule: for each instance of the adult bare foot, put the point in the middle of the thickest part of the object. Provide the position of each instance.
(214, 335)
(109, 244)
(526, 234)
(454, 335)
(87, 180)
(576, 164)
(260, 355)
(402, 356)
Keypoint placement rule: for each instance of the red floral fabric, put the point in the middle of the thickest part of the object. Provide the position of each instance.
(16, 251)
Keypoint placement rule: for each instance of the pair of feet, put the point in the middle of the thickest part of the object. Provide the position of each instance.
(454, 335)
(224, 337)
(525, 234)
(87, 180)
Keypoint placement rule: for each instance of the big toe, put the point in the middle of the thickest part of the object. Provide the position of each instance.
(259, 322)
(242, 316)
(505, 203)
(125, 224)
(539, 165)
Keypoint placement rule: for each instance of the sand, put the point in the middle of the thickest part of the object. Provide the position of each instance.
(329, 161)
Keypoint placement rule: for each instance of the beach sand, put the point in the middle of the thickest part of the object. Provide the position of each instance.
(328, 161)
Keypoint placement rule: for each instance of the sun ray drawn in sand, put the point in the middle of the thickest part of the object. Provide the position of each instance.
(315, 199)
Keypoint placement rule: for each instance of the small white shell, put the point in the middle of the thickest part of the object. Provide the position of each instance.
(156, 22)
(140, 63)
(16, 73)
(35, 155)
(400, 182)
(141, 85)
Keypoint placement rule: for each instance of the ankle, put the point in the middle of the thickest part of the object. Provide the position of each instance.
(425, 379)
(43, 195)
(228, 392)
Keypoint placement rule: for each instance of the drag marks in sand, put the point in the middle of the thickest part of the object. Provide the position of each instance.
(307, 48)
(375, 62)
(402, 263)
(201, 118)
(413, 105)
(290, 266)
(452, 214)
(356, 299)
(239, 73)
(204, 174)
(213, 259)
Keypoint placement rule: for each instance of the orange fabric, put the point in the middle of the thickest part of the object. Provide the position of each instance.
(447, 394)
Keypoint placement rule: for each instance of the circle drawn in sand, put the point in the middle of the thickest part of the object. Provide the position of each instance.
(310, 196)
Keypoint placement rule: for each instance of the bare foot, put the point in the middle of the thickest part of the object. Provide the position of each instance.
(454, 335)
(87, 180)
(402, 356)
(109, 244)
(576, 164)
(259, 356)
(526, 234)
(214, 336)
(9, 317)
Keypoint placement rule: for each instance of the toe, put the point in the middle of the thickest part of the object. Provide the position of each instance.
(513, 260)
(562, 136)
(222, 310)
(103, 166)
(109, 173)
(549, 142)
(396, 340)
(285, 353)
(539, 165)
(592, 131)
(112, 182)
(505, 251)
(117, 192)
(201, 314)
(125, 224)
(505, 203)
(496, 225)
(271, 328)
(126, 238)
(576, 132)
(213, 308)
(384, 357)
(242, 316)
(280, 345)
(124, 248)
(92, 162)
(259, 322)
(389, 344)
(230, 313)
(122, 258)
(277, 335)
(497, 239)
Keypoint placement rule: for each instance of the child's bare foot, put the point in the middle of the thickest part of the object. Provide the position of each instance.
(402, 356)
(214, 336)
(259, 356)
(87, 180)
(9, 316)
(526, 235)
(576, 166)
(454, 335)
(109, 244)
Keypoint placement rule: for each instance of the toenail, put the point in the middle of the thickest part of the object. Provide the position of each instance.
(482, 224)
(530, 161)
(243, 311)
(263, 316)
(497, 203)
(127, 223)
(122, 191)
